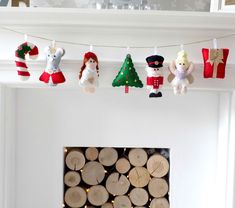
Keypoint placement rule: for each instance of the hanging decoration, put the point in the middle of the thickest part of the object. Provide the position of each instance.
(20, 53)
(89, 73)
(127, 76)
(154, 75)
(215, 62)
(181, 73)
(53, 74)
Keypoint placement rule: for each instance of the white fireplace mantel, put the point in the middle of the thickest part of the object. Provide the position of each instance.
(121, 28)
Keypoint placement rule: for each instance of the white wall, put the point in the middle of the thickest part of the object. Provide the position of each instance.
(48, 119)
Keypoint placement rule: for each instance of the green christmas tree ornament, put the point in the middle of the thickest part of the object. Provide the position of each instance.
(127, 76)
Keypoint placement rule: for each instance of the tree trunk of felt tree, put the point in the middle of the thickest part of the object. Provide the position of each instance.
(127, 76)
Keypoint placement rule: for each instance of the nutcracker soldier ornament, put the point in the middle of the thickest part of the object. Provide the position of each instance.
(154, 75)
(215, 62)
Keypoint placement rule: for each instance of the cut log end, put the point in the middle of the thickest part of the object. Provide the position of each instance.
(72, 178)
(91, 153)
(139, 196)
(117, 184)
(138, 157)
(98, 195)
(123, 165)
(93, 173)
(108, 156)
(158, 187)
(75, 197)
(122, 202)
(139, 177)
(75, 160)
(158, 166)
(159, 203)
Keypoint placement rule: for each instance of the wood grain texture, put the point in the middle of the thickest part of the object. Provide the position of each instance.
(108, 156)
(158, 166)
(93, 173)
(72, 178)
(122, 202)
(98, 195)
(139, 176)
(75, 197)
(123, 165)
(138, 157)
(75, 160)
(139, 196)
(158, 187)
(91, 153)
(159, 203)
(117, 184)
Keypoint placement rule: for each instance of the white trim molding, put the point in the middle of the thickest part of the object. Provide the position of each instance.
(231, 157)
(2, 146)
(7, 147)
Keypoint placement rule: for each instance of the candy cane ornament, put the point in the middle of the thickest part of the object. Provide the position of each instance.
(20, 53)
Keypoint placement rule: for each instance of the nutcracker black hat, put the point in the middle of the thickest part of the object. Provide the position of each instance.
(155, 61)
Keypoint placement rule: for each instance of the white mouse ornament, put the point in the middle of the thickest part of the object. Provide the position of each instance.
(53, 74)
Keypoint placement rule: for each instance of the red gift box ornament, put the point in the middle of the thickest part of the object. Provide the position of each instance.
(215, 62)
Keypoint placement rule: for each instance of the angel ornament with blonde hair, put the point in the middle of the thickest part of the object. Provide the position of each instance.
(181, 76)
(89, 73)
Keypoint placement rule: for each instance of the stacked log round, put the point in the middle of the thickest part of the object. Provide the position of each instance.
(75, 160)
(91, 153)
(75, 197)
(98, 195)
(139, 177)
(72, 178)
(139, 196)
(158, 187)
(117, 184)
(93, 173)
(123, 165)
(108, 156)
(107, 205)
(158, 166)
(121, 202)
(159, 203)
(138, 157)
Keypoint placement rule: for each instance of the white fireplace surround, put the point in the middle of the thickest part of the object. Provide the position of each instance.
(36, 122)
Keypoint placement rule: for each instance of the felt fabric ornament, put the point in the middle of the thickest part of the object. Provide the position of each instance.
(215, 62)
(181, 73)
(154, 75)
(53, 74)
(127, 76)
(89, 73)
(20, 53)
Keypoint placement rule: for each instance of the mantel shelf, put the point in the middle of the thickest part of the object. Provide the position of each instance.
(115, 18)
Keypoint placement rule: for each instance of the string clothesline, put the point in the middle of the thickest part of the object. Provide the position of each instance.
(119, 46)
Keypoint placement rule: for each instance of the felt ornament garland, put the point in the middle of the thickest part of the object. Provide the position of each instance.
(89, 73)
(181, 76)
(53, 74)
(215, 62)
(127, 76)
(20, 53)
(154, 75)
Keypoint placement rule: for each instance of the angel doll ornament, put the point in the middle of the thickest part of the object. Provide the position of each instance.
(89, 73)
(181, 76)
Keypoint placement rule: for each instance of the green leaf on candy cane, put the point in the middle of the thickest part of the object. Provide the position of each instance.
(127, 77)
